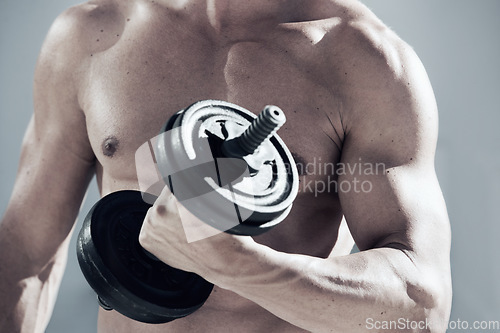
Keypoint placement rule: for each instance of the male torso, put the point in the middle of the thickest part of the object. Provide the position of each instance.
(148, 60)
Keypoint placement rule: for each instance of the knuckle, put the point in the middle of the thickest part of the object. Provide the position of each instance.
(142, 239)
(160, 210)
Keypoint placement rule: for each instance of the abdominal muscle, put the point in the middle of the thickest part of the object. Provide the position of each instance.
(224, 311)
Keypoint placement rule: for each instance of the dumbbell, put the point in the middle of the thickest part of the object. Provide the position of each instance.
(228, 168)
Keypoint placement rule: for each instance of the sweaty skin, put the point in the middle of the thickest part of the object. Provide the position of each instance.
(112, 72)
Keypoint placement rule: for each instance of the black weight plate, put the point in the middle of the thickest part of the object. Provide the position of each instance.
(123, 274)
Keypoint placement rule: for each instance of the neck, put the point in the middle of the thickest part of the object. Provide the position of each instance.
(229, 16)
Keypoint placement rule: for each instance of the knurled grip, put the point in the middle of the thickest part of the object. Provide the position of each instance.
(261, 129)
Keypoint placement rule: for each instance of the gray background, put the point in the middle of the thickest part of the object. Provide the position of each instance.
(458, 43)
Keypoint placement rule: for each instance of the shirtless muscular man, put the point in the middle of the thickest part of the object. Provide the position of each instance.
(112, 71)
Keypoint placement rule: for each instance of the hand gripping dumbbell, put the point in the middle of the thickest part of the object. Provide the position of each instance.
(228, 168)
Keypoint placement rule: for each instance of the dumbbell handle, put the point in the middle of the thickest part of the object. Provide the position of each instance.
(261, 129)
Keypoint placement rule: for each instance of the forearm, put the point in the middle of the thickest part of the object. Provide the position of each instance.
(26, 305)
(28, 288)
(328, 295)
(338, 294)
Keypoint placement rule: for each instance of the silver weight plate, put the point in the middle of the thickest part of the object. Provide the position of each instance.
(248, 195)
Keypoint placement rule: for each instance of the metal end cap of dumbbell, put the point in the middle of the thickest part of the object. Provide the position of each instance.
(261, 129)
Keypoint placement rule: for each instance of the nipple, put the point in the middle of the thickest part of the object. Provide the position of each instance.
(109, 146)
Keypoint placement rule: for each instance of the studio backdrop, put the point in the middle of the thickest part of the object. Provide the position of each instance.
(459, 45)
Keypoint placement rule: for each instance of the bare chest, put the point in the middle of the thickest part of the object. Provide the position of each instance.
(134, 88)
